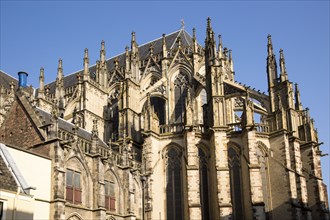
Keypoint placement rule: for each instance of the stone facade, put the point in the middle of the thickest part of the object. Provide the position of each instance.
(163, 131)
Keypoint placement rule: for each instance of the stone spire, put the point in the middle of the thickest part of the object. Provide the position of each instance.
(220, 47)
(127, 67)
(41, 83)
(283, 75)
(134, 46)
(59, 90)
(298, 104)
(210, 47)
(101, 68)
(135, 60)
(231, 62)
(102, 52)
(195, 46)
(164, 46)
(86, 64)
(271, 72)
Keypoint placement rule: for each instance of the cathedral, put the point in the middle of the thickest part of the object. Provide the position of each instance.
(163, 131)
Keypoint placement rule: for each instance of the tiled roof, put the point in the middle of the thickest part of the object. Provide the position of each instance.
(7, 180)
(6, 79)
(171, 42)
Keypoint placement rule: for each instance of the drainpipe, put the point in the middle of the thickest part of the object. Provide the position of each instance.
(15, 203)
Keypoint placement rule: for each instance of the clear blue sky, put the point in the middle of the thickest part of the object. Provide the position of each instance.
(38, 33)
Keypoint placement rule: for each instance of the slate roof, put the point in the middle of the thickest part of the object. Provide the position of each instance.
(171, 42)
(67, 126)
(6, 79)
(7, 180)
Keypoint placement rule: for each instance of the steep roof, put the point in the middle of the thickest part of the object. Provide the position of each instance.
(10, 175)
(171, 42)
(6, 79)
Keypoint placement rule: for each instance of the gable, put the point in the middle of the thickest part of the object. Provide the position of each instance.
(18, 128)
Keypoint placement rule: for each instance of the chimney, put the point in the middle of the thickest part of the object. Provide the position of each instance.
(22, 79)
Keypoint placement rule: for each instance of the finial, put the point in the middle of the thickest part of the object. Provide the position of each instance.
(230, 55)
(225, 52)
(220, 40)
(79, 78)
(102, 51)
(194, 33)
(133, 36)
(283, 76)
(179, 41)
(209, 22)
(151, 49)
(182, 24)
(86, 53)
(270, 45)
(102, 44)
(60, 63)
(42, 72)
(116, 62)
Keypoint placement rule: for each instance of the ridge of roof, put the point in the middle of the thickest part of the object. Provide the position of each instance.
(1, 71)
(177, 32)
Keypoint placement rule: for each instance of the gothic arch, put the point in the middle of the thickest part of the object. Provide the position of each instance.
(74, 216)
(175, 145)
(174, 189)
(75, 164)
(81, 162)
(236, 181)
(235, 146)
(175, 71)
(263, 148)
(113, 191)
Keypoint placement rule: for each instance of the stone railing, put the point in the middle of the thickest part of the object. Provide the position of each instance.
(235, 126)
(172, 128)
(262, 128)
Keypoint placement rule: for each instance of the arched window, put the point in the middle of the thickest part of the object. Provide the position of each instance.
(236, 187)
(73, 186)
(114, 119)
(159, 107)
(174, 194)
(111, 192)
(204, 190)
(180, 94)
(262, 159)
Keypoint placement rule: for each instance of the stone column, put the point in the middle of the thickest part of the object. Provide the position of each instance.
(193, 181)
(220, 151)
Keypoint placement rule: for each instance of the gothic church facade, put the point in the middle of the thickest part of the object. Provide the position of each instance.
(163, 131)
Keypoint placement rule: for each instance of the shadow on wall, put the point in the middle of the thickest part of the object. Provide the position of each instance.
(17, 214)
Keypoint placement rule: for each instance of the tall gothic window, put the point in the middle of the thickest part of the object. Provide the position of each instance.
(114, 116)
(110, 196)
(159, 107)
(204, 190)
(262, 159)
(180, 94)
(73, 187)
(174, 194)
(236, 187)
